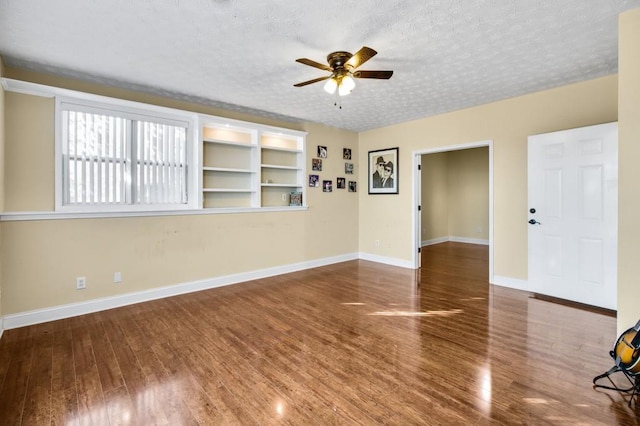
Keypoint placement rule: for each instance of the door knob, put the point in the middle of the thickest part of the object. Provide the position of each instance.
(534, 222)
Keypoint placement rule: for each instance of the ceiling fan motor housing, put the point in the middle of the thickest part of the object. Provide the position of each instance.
(338, 60)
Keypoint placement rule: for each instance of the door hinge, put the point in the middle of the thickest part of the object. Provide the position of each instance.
(419, 249)
(419, 166)
(419, 208)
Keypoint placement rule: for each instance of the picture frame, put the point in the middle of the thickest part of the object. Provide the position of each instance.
(348, 168)
(341, 183)
(322, 151)
(295, 199)
(314, 181)
(327, 186)
(383, 171)
(353, 185)
(316, 164)
(346, 153)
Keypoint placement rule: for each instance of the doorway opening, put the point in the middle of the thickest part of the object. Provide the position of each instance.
(417, 198)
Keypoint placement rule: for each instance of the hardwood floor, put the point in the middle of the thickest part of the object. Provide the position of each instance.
(351, 343)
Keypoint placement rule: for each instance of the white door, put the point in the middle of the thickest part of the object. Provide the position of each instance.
(573, 214)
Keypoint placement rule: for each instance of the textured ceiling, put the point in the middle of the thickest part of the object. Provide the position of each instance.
(240, 55)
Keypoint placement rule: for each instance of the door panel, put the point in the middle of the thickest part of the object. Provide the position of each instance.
(573, 185)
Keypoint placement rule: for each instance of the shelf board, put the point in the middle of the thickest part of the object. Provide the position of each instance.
(276, 148)
(227, 169)
(227, 190)
(225, 142)
(276, 166)
(281, 185)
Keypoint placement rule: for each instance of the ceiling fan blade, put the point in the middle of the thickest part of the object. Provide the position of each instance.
(361, 56)
(315, 80)
(314, 64)
(373, 74)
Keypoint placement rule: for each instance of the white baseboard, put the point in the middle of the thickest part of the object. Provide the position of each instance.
(455, 240)
(386, 260)
(469, 240)
(514, 283)
(38, 316)
(434, 241)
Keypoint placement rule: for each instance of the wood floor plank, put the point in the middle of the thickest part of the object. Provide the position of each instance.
(64, 396)
(351, 343)
(119, 407)
(146, 408)
(6, 352)
(91, 403)
(12, 395)
(106, 361)
(189, 393)
(37, 406)
(214, 401)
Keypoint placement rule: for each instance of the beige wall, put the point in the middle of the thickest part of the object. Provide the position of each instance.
(629, 173)
(468, 184)
(435, 197)
(29, 184)
(42, 258)
(455, 194)
(507, 123)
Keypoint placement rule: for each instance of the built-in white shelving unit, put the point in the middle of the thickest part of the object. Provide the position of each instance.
(250, 165)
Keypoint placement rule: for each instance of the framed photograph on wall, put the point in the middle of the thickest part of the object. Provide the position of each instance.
(383, 171)
(348, 168)
(295, 199)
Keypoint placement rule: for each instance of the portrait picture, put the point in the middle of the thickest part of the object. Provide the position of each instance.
(352, 186)
(322, 151)
(295, 199)
(314, 181)
(316, 164)
(341, 183)
(383, 171)
(346, 153)
(327, 186)
(348, 168)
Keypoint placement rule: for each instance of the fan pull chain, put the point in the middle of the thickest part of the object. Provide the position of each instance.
(337, 103)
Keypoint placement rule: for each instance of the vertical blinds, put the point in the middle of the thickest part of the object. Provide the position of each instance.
(112, 160)
(161, 164)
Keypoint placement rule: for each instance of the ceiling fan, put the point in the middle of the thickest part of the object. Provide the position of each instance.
(343, 67)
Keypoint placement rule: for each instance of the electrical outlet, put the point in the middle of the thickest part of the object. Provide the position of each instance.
(284, 197)
(117, 277)
(81, 283)
(377, 243)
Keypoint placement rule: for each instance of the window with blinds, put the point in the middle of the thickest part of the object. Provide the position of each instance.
(115, 160)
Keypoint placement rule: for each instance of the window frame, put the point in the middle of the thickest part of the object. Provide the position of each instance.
(131, 111)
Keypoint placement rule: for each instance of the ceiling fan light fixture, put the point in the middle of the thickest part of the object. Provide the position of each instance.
(347, 84)
(331, 85)
(343, 68)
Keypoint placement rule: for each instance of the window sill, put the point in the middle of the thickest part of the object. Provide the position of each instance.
(28, 216)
